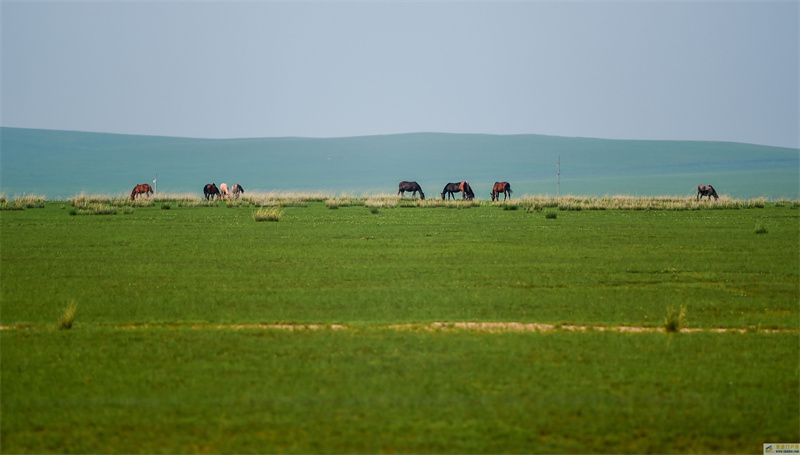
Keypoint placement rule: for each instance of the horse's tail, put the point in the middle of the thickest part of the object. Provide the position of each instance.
(508, 187)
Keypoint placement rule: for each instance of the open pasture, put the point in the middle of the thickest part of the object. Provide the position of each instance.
(199, 329)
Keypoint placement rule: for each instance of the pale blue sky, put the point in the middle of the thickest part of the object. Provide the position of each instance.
(628, 70)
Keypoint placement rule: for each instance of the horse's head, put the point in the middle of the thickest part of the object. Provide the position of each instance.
(443, 195)
(421, 195)
(492, 194)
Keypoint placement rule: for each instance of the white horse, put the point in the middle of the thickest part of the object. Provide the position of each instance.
(237, 190)
(223, 191)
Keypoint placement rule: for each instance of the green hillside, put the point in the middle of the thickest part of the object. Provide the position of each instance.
(60, 164)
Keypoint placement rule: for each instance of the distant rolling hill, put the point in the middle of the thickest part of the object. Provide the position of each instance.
(60, 164)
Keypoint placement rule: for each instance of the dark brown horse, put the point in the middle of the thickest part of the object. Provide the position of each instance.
(410, 186)
(501, 187)
(210, 190)
(706, 190)
(237, 189)
(143, 188)
(466, 191)
(462, 187)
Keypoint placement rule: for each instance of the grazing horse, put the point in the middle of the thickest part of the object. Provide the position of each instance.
(462, 187)
(144, 188)
(210, 190)
(501, 187)
(223, 191)
(410, 186)
(450, 189)
(466, 191)
(237, 189)
(706, 190)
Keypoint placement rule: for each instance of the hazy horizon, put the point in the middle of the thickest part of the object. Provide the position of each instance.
(393, 134)
(61, 164)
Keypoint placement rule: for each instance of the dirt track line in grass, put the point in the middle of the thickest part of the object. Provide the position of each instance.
(490, 327)
(536, 327)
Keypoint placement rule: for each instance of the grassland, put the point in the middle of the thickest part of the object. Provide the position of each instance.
(198, 329)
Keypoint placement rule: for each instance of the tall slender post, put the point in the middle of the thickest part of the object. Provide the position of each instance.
(155, 182)
(558, 173)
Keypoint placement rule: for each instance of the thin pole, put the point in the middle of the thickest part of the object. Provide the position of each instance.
(155, 182)
(558, 173)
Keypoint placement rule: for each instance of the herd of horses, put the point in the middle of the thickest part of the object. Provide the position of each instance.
(211, 190)
(450, 189)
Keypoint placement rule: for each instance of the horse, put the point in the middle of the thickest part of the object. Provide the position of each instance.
(223, 191)
(210, 190)
(706, 190)
(501, 187)
(462, 187)
(410, 186)
(450, 189)
(143, 188)
(237, 189)
(466, 191)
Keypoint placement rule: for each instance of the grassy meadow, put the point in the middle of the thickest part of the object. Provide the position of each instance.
(328, 324)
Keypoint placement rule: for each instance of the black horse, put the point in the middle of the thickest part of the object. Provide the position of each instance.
(706, 190)
(460, 187)
(210, 190)
(450, 189)
(410, 186)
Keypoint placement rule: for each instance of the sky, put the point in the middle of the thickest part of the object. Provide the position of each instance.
(708, 70)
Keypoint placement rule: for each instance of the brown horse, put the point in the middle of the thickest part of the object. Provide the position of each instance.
(210, 190)
(410, 186)
(466, 191)
(501, 187)
(706, 190)
(143, 188)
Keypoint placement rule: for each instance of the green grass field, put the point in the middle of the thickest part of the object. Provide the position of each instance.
(198, 329)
